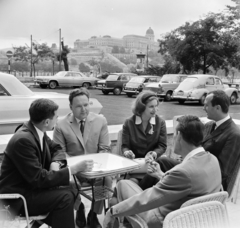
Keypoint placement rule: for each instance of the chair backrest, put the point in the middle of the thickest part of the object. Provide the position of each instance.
(218, 196)
(233, 186)
(119, 143)
(204, 215)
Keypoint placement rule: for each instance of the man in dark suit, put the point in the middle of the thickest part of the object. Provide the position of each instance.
(222, 135)
(199, 174)
(31, 167)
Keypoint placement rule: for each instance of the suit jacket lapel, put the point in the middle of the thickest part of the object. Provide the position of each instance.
(87, 127)
(218, 131)
(76, 130)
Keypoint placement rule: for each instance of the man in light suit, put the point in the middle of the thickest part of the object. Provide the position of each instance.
(222, 135)
(199, 174)
(82, 132)
(31, 168)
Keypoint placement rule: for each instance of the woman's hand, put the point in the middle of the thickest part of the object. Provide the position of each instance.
(129, 154)
(150, 156)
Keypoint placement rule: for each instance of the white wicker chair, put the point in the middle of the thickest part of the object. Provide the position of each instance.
(27, 217)
(204, 215)
(218, 196)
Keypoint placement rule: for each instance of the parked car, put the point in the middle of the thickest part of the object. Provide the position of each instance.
(100, 84)
(136, 84)
(196, 88)
(164, 88)
(114, 82)
(66, 78)
(15, 100)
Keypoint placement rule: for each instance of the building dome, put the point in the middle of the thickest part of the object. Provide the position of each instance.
(150, 31)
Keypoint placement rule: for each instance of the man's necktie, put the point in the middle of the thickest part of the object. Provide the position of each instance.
(213, 127)
(82, 126)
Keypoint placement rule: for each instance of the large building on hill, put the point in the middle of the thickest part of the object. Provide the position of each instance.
(132, 43)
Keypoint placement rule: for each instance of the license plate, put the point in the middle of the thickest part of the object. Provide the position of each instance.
(180, 93)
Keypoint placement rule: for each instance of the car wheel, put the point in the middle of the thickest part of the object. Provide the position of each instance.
(129, 94)
(168, 96)
(233, 98)
(105, 92)
(202, 99)
(181, 101)
(43, 86)
(52, 85)
(117, 91)
(86, 85)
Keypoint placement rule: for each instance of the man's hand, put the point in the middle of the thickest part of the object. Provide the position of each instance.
(54, 166)
(129, 154)
(150, 156)
(154, 170)
(108, 220)
(83, 166)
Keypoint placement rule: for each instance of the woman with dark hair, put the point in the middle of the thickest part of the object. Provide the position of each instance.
(144, 134)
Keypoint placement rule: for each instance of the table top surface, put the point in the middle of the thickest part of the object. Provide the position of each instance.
(105, 164)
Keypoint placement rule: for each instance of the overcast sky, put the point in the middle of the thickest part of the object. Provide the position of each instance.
(81, 19)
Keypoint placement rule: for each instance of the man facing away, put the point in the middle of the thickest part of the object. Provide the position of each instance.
(83, 132)
(31, 168)
(199, 174)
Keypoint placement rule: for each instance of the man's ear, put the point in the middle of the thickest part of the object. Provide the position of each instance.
(46, 122)
(70, 106)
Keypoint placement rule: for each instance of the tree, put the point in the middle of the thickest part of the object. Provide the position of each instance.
(83, 68)
(200, 45)
(115, 49)
(40, 52)
(73, 62)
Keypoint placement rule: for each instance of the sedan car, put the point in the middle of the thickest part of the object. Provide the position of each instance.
(16, 99)
(114, 83)
(196, 87)
(136, 84)
(66, 78)
(164, 88)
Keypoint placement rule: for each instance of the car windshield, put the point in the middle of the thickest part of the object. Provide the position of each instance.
(15, 88)
(187, 84)
(137, 80)
(112, 77)
(169, 78)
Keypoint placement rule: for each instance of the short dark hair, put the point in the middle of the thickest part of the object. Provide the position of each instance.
(78, 92)
(220, 98)
(191, 129)
(142, 99)
(42, 109)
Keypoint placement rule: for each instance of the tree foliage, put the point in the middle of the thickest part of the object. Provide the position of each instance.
(83, 68)
(40, 52)
(208, 43)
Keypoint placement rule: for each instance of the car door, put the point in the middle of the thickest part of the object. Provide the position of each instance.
(78, 79)
(67, 79)
(122, 80)
(210, 84)
(219, 84)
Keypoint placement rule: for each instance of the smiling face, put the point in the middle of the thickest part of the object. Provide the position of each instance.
(80, 107)
(151, 109)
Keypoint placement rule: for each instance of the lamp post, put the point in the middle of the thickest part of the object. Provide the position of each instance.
(53, 61)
